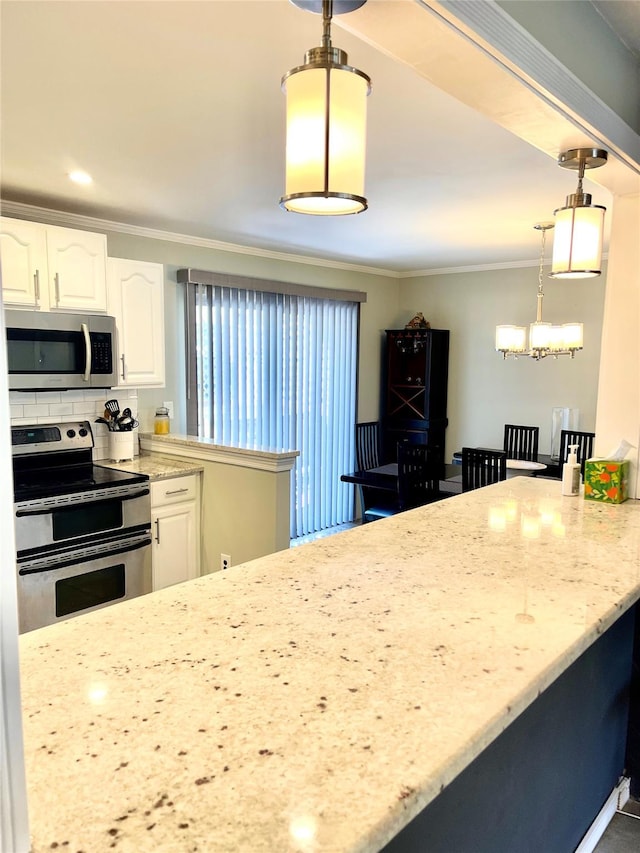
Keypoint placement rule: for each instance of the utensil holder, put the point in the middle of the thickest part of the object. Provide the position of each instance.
(121, 445)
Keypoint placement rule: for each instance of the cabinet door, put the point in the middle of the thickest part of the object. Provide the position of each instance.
(77, 262)
(23, 263)
(136, 299)
(173, 552)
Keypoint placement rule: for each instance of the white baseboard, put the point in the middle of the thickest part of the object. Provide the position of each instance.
(616, 800)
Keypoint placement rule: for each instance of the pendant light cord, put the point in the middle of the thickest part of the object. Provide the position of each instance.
(327, 14)
(540, 290)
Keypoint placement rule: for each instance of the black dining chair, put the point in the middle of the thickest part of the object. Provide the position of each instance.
(374, 503)
(521, 442)
(367, 445)
(584, 440)
(418, 481)
(482, 467)
(418, 474)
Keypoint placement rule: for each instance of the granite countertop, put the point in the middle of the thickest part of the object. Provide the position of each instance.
(155, 466)
(312, 700)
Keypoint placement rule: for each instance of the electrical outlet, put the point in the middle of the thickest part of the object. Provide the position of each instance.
(225, 561)
(168, 404)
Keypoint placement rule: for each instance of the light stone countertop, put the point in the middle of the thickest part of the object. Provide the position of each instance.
(317, 699)
(155, 466)
(206, 450)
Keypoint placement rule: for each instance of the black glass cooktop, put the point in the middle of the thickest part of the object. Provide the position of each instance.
(49, 482)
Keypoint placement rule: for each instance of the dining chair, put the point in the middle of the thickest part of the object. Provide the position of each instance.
(418, 481)
(367, 445)
(584, 440)
(482, 467)
(521, 442)
(418, 475)
(374, 503)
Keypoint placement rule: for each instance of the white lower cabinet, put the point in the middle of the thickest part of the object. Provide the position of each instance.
(175, 528)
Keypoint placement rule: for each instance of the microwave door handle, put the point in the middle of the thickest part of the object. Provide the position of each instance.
(87, 344)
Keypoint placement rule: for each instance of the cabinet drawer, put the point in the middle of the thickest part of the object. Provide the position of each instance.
(174, 490)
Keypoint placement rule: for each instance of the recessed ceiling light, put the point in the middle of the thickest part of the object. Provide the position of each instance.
(79, 177)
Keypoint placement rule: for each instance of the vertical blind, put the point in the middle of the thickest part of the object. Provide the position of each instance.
(278, 371)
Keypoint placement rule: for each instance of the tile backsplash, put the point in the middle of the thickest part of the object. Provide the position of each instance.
(46, 407)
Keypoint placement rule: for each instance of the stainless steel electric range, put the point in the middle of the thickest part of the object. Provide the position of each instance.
(83, 531)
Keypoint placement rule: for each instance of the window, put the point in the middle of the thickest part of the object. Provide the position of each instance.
(277, 369)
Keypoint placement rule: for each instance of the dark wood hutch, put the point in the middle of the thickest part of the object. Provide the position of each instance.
(415, 388)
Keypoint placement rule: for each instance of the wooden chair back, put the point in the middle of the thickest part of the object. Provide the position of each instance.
(418, 474)
(521, 442)
(584, 440)
(367, 445)
(482, 467)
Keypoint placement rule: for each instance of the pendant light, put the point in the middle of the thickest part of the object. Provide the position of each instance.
(326, 125)
(577, 245)
(544, 338)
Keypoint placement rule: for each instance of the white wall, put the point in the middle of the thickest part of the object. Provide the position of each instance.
(619, 386)
(485, 392)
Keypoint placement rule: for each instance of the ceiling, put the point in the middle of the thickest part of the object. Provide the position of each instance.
(175, 110)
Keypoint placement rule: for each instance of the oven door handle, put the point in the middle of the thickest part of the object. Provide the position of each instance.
(72, 560)
(87, 358)
(20, 513)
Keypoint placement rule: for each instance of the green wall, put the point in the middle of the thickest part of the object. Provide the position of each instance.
(485, 392)
(382, 291)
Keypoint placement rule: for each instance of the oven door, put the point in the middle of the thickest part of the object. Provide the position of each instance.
(52, 588)
(79, 518)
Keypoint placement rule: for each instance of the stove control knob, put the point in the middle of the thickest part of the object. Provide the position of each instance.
(71, 433)
(82, 432)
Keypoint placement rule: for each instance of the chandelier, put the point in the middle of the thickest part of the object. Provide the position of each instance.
(544, 338)
(326, 125)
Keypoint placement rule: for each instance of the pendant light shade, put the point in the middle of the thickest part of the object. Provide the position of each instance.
(579, 226)
(326, 131)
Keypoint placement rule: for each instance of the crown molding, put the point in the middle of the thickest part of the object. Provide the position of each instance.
(76, 220)
(92, 223)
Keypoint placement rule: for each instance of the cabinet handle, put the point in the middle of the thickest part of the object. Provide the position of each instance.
(36, 284)
(56, 279)
(123, 367)
(87, 346)
(157, 523)
(177, 492)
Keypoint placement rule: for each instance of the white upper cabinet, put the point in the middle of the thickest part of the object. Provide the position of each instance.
(23, 263)
(77, 269)
(136, 300)
(52, 268)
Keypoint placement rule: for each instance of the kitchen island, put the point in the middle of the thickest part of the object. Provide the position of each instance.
(320, 698)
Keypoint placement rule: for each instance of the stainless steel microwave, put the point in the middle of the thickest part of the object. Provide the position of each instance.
(55, 352)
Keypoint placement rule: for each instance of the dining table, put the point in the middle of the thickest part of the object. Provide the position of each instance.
(385, 478)
(545, 465)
